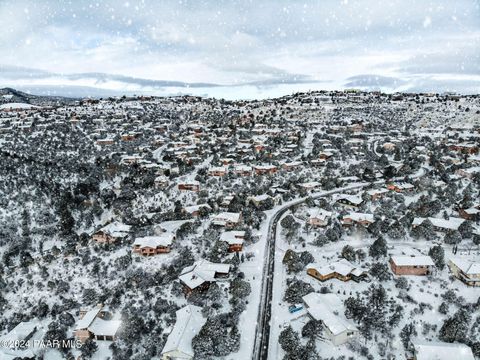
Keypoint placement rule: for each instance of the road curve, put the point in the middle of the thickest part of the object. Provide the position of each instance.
(262, 329)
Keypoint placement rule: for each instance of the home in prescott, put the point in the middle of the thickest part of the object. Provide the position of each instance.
(329, 310)
(342, 270)
(189, 321)
(466, 271)
(152, 245)
(411, 265)
(201, 274)
(97, 323)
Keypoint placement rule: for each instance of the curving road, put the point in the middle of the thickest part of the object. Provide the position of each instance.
(262, 338)
(262, 330)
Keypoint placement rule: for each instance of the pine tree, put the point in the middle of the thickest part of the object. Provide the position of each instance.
(438, 256)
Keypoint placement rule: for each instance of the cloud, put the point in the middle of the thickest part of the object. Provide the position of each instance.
(235, 43)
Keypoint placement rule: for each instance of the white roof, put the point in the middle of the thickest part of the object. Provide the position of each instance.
(227, 216)
(321, 214)
(311, 184)
(87, 319)
(342, 267)
(453, 223)
(20, 332)
(105, 327)
(442, 351)
(422, 260)
(233, 237)
(116, 229)
(202, 271)
(468, 267)
(218, 168)
(325, 307)
(164, 240)
(377, 191)
(193, 208)
(356, 216)
(242, 168)
(188, 324)
(260, 198)
(354, 199)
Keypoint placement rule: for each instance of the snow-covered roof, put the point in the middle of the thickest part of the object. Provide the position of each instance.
(441, 351)
(422, 260)
(453, 223)
(259, 198)
(116, 229)
(233, 237)
(202, 271)
(372, 192)
(310, 185)
(105, 327)
(356, 216)
(354, 199)
(87, 319)
(467, 267)
(163, 240)
(20, 332)
(321, 214)
(188, 324)
(327, 308)
(342, 267)
(226, 216)
(194, 208)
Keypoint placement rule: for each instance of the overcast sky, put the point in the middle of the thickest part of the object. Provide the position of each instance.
(250, 48)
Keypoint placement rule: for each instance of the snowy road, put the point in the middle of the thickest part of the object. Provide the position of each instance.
(262, 331)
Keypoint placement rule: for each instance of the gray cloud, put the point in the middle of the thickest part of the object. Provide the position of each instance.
(131, 45)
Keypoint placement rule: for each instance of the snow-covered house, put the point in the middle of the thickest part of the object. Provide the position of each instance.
(242, 170)
(444, 225)
(291, 165)
(198, 276)
(311, 185)
(411, 265)
(191, 185)
(437, 350)
(227, 219)
(348, 200)
(400, 187)
(265, 169)
(357, 218)
(342, 270)
(111, 233)
(319, 217)
(234, 239)
(217, 171)
(14, 343)
(376, 193)
(329, 309)
(179, 343)
(151, 245)
(258, 200)
(195, 210)
(466, 271)
(96, 323)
